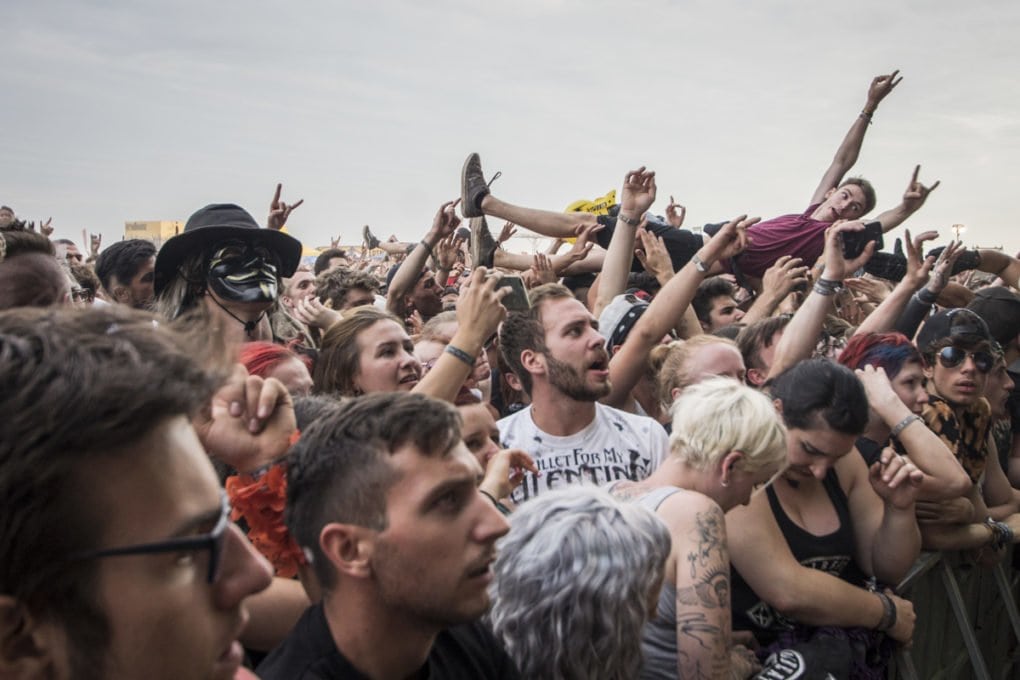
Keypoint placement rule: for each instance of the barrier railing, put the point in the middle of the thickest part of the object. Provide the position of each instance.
(968, 625)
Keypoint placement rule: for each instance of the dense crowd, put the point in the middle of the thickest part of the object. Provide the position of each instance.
(648, 452)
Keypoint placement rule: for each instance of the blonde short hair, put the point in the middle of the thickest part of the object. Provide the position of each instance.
(720, 415)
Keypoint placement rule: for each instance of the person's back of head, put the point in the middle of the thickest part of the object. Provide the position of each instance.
(324, 261)
(30, 275)
(820, 392)
(754, 341)
(574, 578)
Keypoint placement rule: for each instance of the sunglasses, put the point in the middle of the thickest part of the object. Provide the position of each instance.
(212, 541)
(951, 357)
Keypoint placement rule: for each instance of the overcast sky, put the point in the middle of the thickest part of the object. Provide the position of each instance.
(142, 110)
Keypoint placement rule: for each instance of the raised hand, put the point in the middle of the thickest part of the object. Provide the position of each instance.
(675, 213)
(480, 306)
(446, 221)
(782, 277)
(249, 422)
(334, 242)
(95, 243)
(918, 267)
(652, 254)
(638, 193)
(583, 244)
(280, 211)
(730, 240)
(542, 269)
(867, 291)
(46, 228)
(917, 193)
(880, 87)
(837, 267)
(507, 232)
(943, 267)
(446, 251)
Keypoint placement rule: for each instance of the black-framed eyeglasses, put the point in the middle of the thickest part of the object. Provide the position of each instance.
(212, 541)
(951, 357)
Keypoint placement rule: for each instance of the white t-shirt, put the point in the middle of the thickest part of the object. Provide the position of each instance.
(616, 445)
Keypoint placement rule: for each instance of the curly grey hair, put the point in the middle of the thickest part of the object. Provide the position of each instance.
(574, 581)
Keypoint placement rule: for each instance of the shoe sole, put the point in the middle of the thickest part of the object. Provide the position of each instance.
(467, 206)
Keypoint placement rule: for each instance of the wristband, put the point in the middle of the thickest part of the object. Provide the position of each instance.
(428, 249)
(628, 220)
(699, 264)
(1002, 535)
(827, 287)
(888, 613)
(926, 297)
(905, 423)
(866, 115)
(460, 354)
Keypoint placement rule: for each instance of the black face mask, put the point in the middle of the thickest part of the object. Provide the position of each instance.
(243, 272)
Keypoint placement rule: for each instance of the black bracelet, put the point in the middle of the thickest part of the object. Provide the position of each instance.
(926, 297)
(428, 249)
(460, 354)
(888, 613)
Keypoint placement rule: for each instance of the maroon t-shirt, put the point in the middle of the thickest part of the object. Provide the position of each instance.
(796, 235)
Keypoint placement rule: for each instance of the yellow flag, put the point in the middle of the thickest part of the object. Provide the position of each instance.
(598, 206)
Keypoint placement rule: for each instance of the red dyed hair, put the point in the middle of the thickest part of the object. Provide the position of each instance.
(262, 357)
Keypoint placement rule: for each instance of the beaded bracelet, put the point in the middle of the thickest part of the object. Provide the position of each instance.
(1002, 535)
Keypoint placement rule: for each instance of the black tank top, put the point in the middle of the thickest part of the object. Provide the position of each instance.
(831, 553)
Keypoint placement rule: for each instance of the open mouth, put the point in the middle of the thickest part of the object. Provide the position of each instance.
(407, 379)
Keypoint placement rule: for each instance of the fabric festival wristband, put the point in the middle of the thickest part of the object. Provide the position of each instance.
(460, 354)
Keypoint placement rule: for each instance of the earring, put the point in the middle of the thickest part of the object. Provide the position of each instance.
(724, 483)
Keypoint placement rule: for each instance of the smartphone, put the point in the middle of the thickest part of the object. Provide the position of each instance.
(517, 300)
(854, 242)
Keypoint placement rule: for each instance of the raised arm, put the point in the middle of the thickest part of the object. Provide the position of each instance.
(628, 363)
(913, 198)
(944, 476)
(479, 311)
(443, 224)
(636, 198)
(801, 335)
(850, 148)
(884, 317)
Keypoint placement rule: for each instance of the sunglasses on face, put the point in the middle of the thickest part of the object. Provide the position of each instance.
(951, 357)
(212, 541)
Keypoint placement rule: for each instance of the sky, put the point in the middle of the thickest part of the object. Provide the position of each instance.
(120, 111)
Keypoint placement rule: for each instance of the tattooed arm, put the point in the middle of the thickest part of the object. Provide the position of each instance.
(701, 568)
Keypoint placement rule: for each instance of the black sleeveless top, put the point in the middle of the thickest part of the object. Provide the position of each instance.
(831, 553)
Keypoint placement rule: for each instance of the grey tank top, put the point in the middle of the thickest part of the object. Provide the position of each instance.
(658, 639)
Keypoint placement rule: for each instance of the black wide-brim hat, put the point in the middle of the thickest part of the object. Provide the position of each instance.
(219, 222)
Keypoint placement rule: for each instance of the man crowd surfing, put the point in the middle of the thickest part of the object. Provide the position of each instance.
(647, 452)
